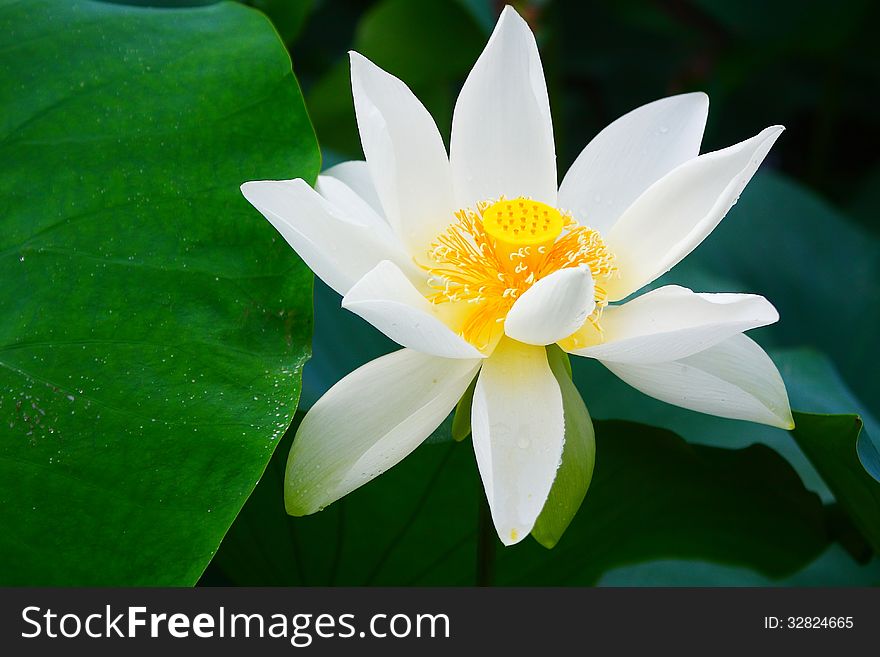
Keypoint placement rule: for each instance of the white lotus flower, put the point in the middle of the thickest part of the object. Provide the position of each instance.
(474, 262)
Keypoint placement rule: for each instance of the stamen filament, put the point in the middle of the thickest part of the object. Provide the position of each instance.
(481, 263)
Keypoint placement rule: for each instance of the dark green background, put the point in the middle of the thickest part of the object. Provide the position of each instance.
(183, 103)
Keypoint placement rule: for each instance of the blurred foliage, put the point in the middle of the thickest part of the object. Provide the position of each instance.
(288, 16)
(413, 40)
(652, 495)
(806, 64)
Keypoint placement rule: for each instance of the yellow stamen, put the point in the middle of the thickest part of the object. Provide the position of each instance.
(485, 260)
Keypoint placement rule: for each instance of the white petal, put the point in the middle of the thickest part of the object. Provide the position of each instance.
(677, 212)
(368, 422)
(734, 379)
(405, 155)
(553, 308)
(518, 433)
(630, 155)
(338, 248)
(388, 300)
(673, 322)
(356, 209)
(356, 176)
(502, 133)
(350, 202)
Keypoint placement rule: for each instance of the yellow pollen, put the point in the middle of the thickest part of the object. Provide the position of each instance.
(488, 257)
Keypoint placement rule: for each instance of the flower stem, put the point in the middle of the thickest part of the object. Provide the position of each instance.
(485, 544)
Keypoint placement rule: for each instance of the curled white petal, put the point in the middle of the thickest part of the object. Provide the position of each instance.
(338, 248)
(368, 422)
(734, 379)
(355, 174)
(388, 300)
(351, 203)
(553, 308)
(673, 322)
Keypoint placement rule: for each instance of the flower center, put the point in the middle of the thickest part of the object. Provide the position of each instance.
(485, 260)
(521, 222)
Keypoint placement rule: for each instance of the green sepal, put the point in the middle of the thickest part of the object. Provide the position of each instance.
(578, 457)
(461, 421)
(830, 441)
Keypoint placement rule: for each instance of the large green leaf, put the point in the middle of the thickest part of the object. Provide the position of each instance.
(816, 386)
(834, 567)
(652, 496)
(152, 325)
(869, 454)
(830, 442)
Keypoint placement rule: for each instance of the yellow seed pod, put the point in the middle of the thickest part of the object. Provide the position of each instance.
(522, 222)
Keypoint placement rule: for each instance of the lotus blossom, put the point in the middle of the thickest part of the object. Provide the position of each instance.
(476, 261)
